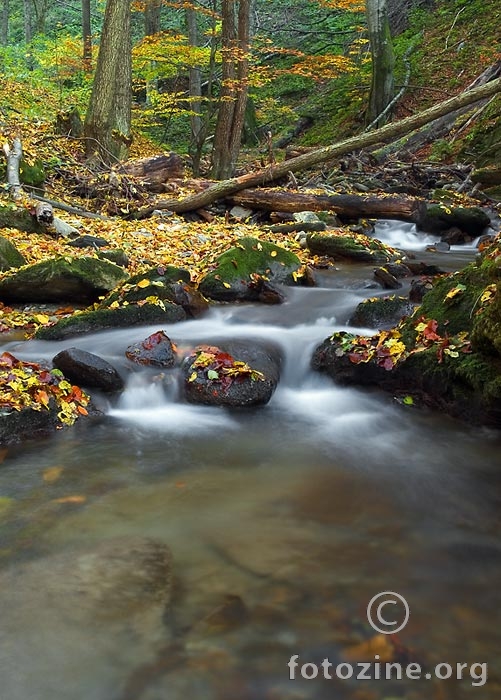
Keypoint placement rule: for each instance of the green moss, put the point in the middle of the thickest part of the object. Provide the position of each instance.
(101, 319)
(159, 277)
(355, 247)
(379, 311)
(486, 333)
(9, 255)
(236, 266)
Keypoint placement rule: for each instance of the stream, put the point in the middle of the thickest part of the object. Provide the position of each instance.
(283, 522)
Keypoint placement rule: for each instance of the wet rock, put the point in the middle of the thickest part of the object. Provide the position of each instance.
(88, 241)
(472, 220)
(102, 319)
(421, 268)
(386, 279)
(9, 255)
(454, 236)
(78, 280)
(238, 272)
(86, 369)
(27, 424)
(381, 312)
(156, 351)
(240, 213)
(234, 373)
(348, 247)
(419, 288)
(165, 282)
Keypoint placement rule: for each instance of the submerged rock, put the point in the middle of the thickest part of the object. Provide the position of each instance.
(78, 280)
(240, 272)
(88, 370)
(231, 374)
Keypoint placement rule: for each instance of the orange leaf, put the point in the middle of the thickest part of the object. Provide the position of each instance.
(52, 474)
(71, 499)
(83, 411)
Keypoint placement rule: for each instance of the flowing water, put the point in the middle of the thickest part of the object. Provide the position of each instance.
(283, 521)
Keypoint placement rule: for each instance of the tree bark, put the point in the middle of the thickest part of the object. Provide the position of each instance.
(156, 170)
(383, 61)
(86, 36)
(231, 114)
(346, 206)
(152, 9)
(108, 119)
(27, 21)
(308, 160)
(13, 157)
(195, 89)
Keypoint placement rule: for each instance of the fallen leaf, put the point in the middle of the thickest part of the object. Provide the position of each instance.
(52, 474)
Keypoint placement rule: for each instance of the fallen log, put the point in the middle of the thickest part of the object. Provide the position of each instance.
(225, 188)
(154, 172)
(346, 206)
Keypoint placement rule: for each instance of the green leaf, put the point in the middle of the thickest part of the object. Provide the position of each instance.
(212, 374)
(408, 400)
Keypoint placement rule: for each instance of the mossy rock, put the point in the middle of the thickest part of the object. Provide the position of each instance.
(440, 217)
(381, 312)
(17, 426)
(77, 280)
(103, 319)
(356, 248)
(117, 256)
(32, 175)
(159, 278)
(9, 255)
(19, 218)
(486, 333)
(238, 271)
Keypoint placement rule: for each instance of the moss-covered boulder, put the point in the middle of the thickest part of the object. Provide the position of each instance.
(441, 217)
(67, 279)
(239, 273)
(163, 282)
(381, 312)
(447, 355)
(103, 319)
(355, 247)
(9, 255)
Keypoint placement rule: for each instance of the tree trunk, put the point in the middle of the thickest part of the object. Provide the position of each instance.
(195, 88)
(108, 119)
(383, 61)
(28, 22)
(228, 187)
(231, 114)
(152, 9)
(13, 157)
(156, 171)
(86, 36)
(346, 206)
(41, 7)
(4, 28)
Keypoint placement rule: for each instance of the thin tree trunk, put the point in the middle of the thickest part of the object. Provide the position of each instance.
(152, 9)
(383, 61)
(231, 114)
(86, 36)
(197, 136)
(308, 160)
(108, 119)
(4, 30)
(28, 23)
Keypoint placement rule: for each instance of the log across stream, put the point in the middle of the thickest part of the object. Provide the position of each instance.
(283, 523)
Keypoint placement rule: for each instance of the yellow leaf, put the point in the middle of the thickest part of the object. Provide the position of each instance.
(143, 283)
(193, 376)
(273, 253)
(71, 499)
(41, 318)
(225, 284)
(52, 474)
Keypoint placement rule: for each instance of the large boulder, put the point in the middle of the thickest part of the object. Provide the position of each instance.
(77, 280)
(355, 247)
(164, 282)
(235, 373)
(447, 355)
(250, 270)
(88, 370)
(9, 255)
(120, 317)
(441, 217)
